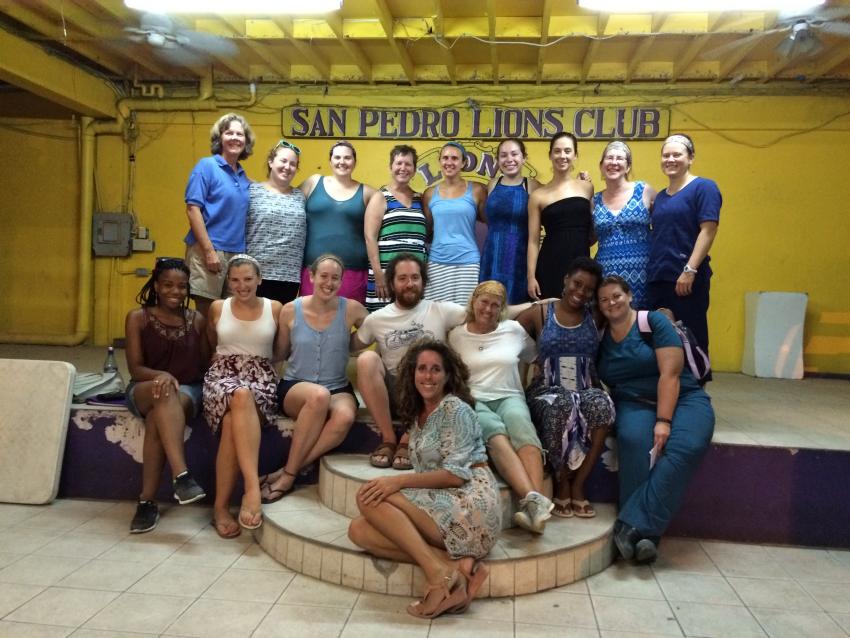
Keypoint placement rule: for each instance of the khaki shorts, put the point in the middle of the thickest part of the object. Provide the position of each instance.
(202, 282)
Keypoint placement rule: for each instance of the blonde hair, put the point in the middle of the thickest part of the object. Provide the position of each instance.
(490, 287)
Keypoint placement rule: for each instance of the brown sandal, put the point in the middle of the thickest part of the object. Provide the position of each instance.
(401, 458)
(387, 451)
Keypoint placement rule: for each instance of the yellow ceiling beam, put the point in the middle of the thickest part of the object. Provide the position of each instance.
(439, 22)
(836, 56)
(684, 61)
(324, 69)
(401, 53)
(27, 66)
(589, 57)
(638, 56)
(491, 33)
(732, 60)
(334, 22)
(546, 18)
(53, 30)
(237, 27)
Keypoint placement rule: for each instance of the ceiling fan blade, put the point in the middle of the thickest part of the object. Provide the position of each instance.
(729, 47)
(207, 42)
(180, 56)
(835, 28)
(156, 22)
(816, 14)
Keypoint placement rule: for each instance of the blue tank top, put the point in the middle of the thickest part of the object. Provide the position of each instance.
(319, 356)
(335, 226)
(454, 229)
(567, 355)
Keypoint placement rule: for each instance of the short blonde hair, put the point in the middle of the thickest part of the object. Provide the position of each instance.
(490, 287)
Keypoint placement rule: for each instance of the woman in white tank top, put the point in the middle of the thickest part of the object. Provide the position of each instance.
(240, 389)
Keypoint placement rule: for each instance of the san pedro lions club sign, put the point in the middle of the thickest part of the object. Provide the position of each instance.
(586, 122)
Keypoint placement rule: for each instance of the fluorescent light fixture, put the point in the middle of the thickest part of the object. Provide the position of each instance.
(694, 6)
(241, 7)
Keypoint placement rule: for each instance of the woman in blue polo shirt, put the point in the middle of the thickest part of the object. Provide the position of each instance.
(217, 207)
(684, 224)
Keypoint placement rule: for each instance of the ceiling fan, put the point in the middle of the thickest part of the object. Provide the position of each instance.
(801, 33)
(175, 44)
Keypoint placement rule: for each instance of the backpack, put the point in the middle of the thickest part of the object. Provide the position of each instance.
(695, 358)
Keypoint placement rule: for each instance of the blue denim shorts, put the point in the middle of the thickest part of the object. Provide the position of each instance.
(192, 390)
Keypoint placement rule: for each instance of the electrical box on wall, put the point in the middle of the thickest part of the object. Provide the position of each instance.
(111, 234)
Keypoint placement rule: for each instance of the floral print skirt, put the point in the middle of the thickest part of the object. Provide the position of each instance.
(232, 371)
(469, 517)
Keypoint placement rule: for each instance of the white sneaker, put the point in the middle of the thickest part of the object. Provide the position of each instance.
(535, 511)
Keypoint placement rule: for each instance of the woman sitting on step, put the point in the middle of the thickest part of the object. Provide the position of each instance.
(446, 515)
(572, 413)
(664, 419)
(166, 354)
(239, 390)
(492, 347)
(315, 332)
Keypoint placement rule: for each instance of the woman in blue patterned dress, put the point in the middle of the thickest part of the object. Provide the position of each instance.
(568, 407)
(446, 514)
(621, 220)
(504, 256)
(394, 224)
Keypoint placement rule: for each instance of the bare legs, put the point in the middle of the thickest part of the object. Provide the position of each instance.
(521, 469)
(239, 450)
(321, 422)
(398, 530)
(202, 305)
(575, 483)
(370, 382)
(165, 421)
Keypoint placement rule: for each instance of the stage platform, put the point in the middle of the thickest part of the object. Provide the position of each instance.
(777, 471)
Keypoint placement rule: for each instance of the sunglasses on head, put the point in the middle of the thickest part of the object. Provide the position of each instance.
(284, 144)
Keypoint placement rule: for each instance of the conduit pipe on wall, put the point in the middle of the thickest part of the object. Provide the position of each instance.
(89, 129)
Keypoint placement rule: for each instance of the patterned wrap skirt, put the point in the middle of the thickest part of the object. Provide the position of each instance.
(232, 371)
(469, 517)
(566, 420)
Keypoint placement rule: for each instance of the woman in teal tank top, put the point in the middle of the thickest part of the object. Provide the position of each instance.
(336, 206)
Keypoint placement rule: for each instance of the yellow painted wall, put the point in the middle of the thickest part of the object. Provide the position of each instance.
(780, 162)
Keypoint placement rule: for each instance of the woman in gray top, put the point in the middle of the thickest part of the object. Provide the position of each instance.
(276, 228)
(314, 332)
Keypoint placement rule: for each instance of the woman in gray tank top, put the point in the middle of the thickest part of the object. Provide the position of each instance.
(314, 333)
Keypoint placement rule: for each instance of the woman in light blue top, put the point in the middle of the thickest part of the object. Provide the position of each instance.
(451, 210)
(314, 332)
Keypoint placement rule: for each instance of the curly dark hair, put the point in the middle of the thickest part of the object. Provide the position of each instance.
(147, 295)
(410, 403)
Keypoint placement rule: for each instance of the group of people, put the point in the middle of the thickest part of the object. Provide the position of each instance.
(454, 332)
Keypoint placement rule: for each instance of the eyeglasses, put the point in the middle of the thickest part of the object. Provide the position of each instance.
(284, 144)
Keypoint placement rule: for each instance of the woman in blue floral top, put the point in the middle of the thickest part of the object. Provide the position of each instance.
(447, 513)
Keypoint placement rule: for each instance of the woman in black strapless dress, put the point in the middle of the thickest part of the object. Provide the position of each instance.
(563, 208)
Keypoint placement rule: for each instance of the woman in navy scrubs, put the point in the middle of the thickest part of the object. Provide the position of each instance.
(684, 224)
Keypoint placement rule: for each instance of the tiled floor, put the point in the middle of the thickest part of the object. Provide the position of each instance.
(808, 413)
(71, 569)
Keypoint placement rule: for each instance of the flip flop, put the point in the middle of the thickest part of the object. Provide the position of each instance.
(221, 529)
(275, 495)
(271, 477)
(249, 524)
(583, 509)
(563, 508)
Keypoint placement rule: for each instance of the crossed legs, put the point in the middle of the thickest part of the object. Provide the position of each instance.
(238, 451)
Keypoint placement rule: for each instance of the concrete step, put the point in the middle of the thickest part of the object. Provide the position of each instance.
(341, 475)
(301, 532)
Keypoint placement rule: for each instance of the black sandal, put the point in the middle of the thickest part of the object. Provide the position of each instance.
(275, 495)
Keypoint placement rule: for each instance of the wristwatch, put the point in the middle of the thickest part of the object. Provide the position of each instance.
(688, 269)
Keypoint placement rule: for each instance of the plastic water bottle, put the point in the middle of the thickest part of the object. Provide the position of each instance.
(109, 364)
